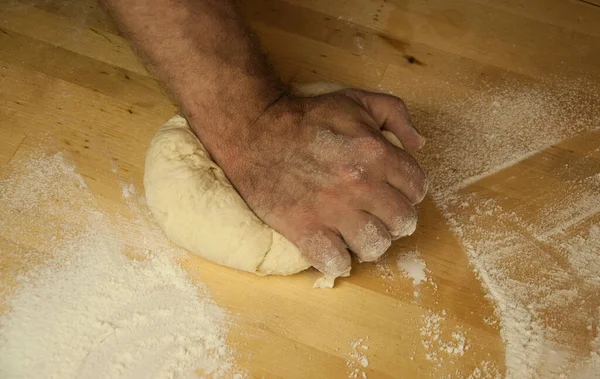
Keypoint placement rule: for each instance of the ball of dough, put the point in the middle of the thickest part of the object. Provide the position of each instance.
(199, 209)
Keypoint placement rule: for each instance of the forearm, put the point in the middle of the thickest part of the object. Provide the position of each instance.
(204, 55)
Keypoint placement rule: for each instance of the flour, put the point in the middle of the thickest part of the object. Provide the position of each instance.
(539, 262)
(584, 203)
(583, 250)
(108, 299)
(387, 273)
(473, 137)
(485, 370)
(436, 344)
(357, 359)
(128, 190)
(412, 266)
(406, 264)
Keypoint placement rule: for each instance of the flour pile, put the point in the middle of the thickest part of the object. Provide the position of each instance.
(413, 266)
(108, 301)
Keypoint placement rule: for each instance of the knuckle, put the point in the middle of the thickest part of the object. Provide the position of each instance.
(353, 174)
(370, 149)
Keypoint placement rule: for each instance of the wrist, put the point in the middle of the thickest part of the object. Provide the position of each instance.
(223, 116)
(228, 106)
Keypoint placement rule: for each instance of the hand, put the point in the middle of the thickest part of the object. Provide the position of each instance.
(319, 171)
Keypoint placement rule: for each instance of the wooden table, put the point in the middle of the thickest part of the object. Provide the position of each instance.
(526, 180)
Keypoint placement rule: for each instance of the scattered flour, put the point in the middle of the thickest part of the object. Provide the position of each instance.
(358, 360)
(95, 297)
(406, 264)
(437, 344)
(128, 190)
(486, 370)
(476, 136)
(385, 271)
(538, 261)
(359, 43)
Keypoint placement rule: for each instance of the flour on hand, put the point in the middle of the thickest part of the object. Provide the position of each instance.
(200, 210)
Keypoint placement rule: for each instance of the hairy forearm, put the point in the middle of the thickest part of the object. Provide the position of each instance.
(206, 58)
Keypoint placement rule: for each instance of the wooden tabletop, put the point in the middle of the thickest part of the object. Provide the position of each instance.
(506, 92)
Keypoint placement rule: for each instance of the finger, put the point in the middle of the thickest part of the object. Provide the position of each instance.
(366, 236)
(326, 252)
(393, 209)
(390, 113)
(404, 173)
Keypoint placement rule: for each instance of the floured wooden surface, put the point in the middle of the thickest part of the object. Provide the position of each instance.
(501, 276)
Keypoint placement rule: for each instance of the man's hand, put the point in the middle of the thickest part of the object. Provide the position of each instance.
(318, 169)
(320, 172)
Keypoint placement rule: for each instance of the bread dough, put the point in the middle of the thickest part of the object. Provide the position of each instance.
(199, 209)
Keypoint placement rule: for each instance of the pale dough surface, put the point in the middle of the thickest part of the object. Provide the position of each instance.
(199, 209)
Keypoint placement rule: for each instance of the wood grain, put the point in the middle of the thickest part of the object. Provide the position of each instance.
(70, 83)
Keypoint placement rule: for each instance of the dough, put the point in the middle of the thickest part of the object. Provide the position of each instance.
(199, 209)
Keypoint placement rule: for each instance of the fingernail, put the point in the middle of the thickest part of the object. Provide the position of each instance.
(422, 140)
